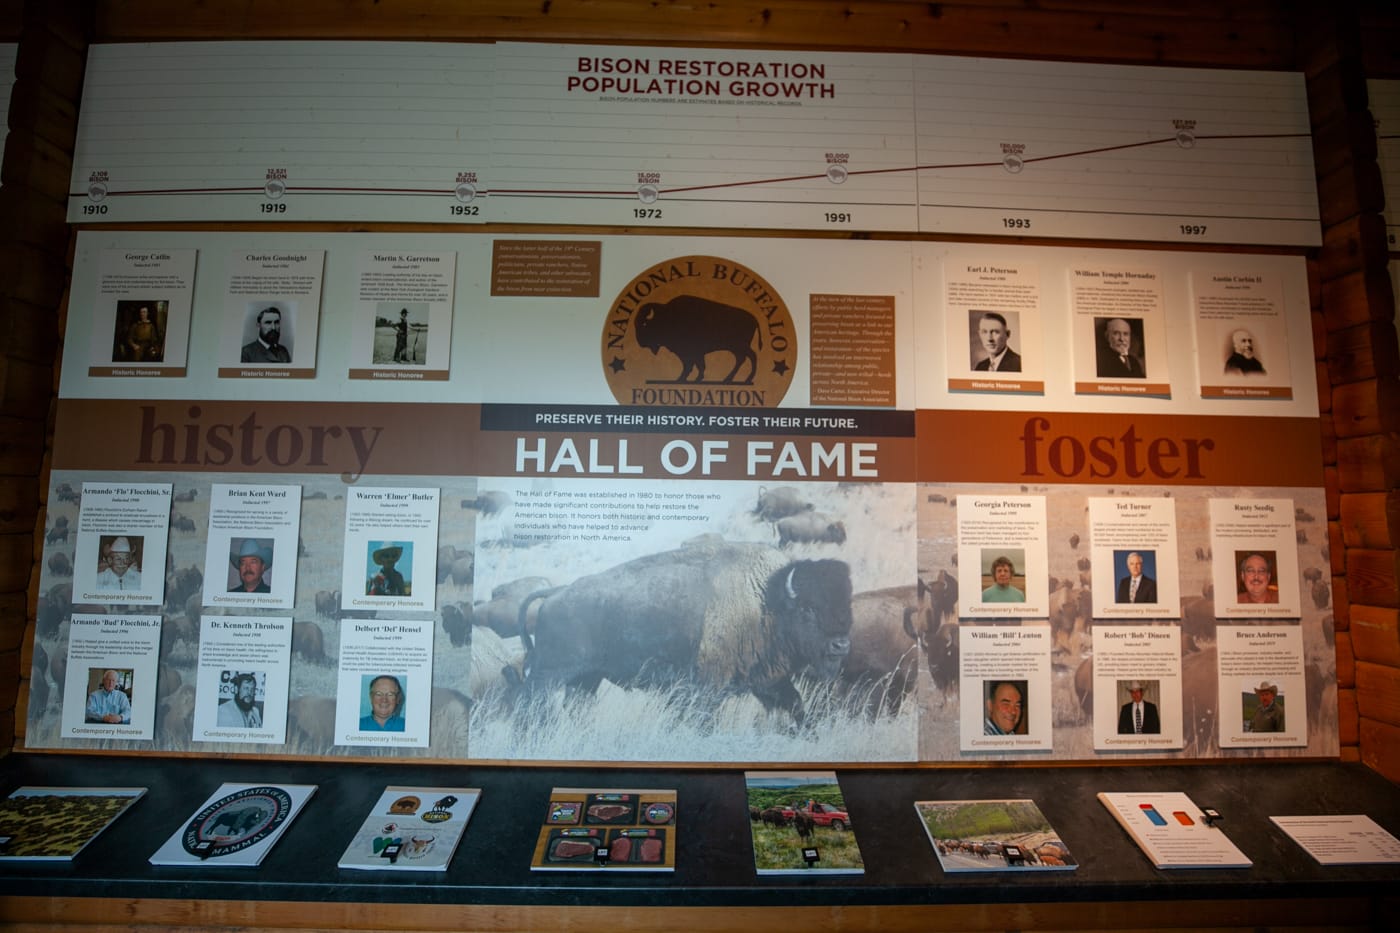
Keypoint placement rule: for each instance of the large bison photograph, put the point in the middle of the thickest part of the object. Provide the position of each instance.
(729, 636)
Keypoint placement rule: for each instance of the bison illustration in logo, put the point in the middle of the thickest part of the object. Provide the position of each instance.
(699, 330)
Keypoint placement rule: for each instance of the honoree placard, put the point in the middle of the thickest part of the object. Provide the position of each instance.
(272, 309)
(1241, 334)
(252, 549)
(123, 532)
(1137, 687)
(1120, 331)
(244, 669)
(141, 312)
(109, 690)
(1002, 556)
(993, 308)
(385, 682)
(390, 549)
(1134, 558)
(1263, 700)
(1255, 543)
(403, 325)
(1005, 689)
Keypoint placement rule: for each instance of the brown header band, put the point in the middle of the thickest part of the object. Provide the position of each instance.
(1059, 447)
(353, 439)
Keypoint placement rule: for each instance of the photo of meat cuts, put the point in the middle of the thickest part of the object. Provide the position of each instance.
(640, 833)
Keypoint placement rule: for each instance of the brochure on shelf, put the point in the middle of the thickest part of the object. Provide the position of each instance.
(238, 825)
(800, 824)
(993, 835)
(54, 824)
(412, 829)
(588, 829)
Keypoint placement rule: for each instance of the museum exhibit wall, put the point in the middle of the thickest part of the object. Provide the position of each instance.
(554, 475)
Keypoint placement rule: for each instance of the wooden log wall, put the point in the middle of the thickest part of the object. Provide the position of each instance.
(34, 240)
(1338, 45)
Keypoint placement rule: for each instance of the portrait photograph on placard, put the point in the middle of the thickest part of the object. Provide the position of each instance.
(401, 332)
(139, 334)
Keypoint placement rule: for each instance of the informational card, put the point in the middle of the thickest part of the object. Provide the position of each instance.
(1172, 831)
(1005, 688)
(1137, 687)
(1134, 558)
(1241, 334)
(252, 550)
(390, 549)
(1255, 542)
(385, 683)
(403, 322)
(244, 670)
(1119, 331)
(109, 691)
(1002, 564)
(141, 312)
(1262, 697)
(272, 310)
(993, 309)
(123, 533)
(1343, 839)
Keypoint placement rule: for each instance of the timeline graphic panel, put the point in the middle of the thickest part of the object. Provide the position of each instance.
(703, 138)
(283, 131)
(1385, 110)
(1120, 152)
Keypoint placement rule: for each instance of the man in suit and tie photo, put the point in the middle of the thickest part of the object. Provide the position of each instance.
(1136, 586)
(993, 333)
(1138, 716)
(1115, 356)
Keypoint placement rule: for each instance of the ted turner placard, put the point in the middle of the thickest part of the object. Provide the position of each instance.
(272, 310)
(141, 313)
(1255, 542)
(123, 531)
(109, 690)
(1134, 558)
(1002, 556)
(390, 549)
(244, 669)
(403, 321)
(251, 558)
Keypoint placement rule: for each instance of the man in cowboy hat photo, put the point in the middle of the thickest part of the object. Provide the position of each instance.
(251, 560)
(1268, 717)
(1138, 716)
(388, 581)
(123, 567)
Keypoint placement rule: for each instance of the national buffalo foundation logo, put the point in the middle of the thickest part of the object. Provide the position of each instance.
(702, 331)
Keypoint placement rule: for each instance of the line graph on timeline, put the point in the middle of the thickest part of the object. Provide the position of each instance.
(710, 138)
(1048, 149)
(282, 131)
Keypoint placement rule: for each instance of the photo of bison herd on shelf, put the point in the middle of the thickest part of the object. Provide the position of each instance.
(811, 622)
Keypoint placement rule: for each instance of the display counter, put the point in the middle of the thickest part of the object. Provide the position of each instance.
(488, 885)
